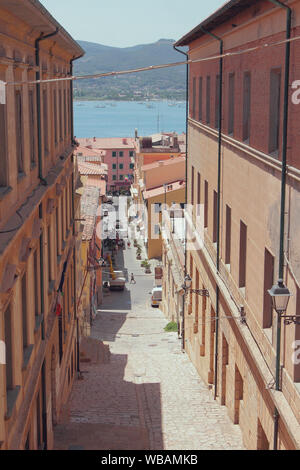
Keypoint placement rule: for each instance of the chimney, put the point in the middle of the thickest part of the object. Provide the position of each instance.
(124, 141)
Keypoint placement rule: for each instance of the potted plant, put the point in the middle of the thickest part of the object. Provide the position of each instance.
(147, 268)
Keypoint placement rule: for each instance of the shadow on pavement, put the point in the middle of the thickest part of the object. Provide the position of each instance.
(107, 412)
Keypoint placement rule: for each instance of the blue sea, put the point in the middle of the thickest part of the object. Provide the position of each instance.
(120, 119)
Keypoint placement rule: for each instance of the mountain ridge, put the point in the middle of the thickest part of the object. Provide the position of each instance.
(99, 58)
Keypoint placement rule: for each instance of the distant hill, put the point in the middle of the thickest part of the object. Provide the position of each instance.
(166, 83)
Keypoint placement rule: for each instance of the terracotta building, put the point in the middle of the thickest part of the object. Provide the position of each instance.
(243, 185)
(37, 253)
(117, 155)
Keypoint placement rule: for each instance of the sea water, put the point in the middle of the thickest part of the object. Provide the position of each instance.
(120, 119)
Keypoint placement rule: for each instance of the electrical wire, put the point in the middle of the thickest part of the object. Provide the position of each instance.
(157, 67)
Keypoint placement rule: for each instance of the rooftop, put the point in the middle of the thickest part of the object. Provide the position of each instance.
(38, 17)
(160, 190)
(89, 204)
(164, 163)
(223, 14)
(108, 143)
(86, 168)
(83, 153)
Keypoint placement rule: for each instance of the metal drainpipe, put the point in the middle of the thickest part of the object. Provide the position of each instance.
(44, 182)
(73, 211)
(283, 195)
(43, 371)
(218, 202)
(186, 188)
(38, 100)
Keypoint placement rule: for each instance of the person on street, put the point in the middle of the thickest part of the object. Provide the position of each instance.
(132, 280)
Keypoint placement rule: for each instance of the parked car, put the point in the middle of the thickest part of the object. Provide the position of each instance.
(119, 282)
(156, 296)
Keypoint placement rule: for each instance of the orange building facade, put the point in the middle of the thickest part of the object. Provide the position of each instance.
(38, 319)
(234, 185)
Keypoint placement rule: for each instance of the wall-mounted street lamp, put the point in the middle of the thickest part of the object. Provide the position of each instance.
(280, 296)
(188, 284)
(280, 299)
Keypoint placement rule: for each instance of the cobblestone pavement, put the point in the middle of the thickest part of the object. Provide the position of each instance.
(149, 395)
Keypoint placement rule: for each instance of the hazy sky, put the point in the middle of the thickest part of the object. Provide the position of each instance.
(122, 23)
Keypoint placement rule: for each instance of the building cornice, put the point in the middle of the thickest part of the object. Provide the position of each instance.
(255, 154)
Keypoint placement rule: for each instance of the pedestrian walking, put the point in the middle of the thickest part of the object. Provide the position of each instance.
(132, 280)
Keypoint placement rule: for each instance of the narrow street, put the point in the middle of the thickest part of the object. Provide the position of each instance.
(146, 395)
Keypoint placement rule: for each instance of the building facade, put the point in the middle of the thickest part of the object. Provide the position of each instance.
(37, 252)
(173, 262)
(236, 170)
(118, 155)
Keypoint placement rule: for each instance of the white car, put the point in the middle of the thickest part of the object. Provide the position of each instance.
(156, 297)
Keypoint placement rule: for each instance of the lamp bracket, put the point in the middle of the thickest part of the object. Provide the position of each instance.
(202, 292)
(291, 319)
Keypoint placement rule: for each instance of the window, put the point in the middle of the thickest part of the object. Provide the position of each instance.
(268, 283)
(274, 116)
(121, 166)
(131, 153)
(45, 121)
(19, 132)
(60, 115)
(57, 232)
(38, 421)
(24, 311)
(3, 146)
(69, 113)
(217, 102)
(8, 349)
(62, 218)
(65, 113)
(193, 185)
(36, 268)
(243, 255)
(231, 103)
(114, 154)
(55, 115)
(121, 177)
(205, 204)
(156, 229)
(121, 154)
(131, 166)
(246, 106)
(228, 236)
(114, 177)
(157, 208)
(200, 98)
(208, 100)
(215, 219)
(49, 253)
(114, 166)
(198, 193)
(32, 134)
(194, 99)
